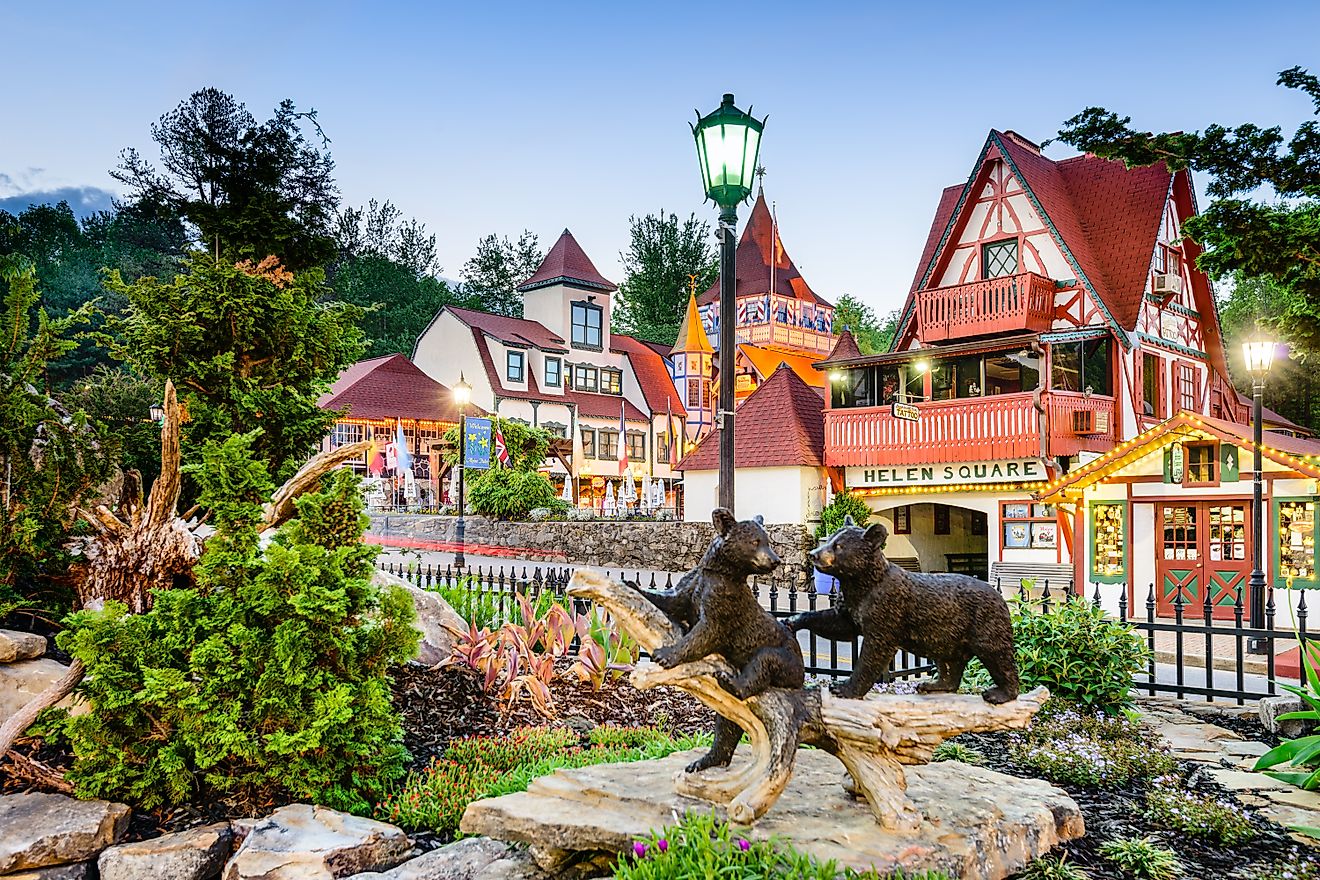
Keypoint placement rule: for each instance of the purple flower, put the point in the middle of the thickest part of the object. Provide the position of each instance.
(639, 849)
(744, 845)
(662, 845)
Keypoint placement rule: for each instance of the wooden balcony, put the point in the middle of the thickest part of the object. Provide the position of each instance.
(1009, 304)
(1002, 426)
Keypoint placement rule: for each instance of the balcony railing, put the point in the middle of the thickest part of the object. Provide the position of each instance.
(1004, 426)
(1007, 304)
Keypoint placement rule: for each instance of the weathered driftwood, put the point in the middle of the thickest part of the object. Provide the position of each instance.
(873, 738)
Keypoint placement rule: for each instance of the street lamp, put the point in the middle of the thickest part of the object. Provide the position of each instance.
(1259, 355)
(462, 395)
(157, 413)
(728, 143)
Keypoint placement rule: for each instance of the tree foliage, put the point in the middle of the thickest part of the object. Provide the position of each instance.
(1264, 220)
(251, 189)
(119, 402)
(268, 680)
(662, 256)
(873, 335)
(248, 346)
(1293, 387)
(514, 490)
(50, 457)
(491, 276)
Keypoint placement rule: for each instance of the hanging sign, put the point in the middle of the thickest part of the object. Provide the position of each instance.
(1230, 465)
(476, 443)
(905, 411)
(1005, 471)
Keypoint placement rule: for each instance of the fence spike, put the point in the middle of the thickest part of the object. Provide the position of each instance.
(1095, 600)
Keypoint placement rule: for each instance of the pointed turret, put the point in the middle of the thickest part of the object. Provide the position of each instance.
(759, 248)
(692, 336)
(567, 264)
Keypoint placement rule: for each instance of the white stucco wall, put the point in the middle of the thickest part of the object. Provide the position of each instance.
(779, 494)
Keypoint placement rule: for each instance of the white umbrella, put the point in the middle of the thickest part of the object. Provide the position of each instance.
(453, 486)
(608, 507)
(629, 491)
(567, 494)
(657, 493)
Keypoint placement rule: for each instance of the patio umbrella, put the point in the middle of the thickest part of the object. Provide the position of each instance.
(608, 508)
(657, 493)
(567, 494)
(629, 491)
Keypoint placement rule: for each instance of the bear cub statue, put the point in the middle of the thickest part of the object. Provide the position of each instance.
(947, 618)
(715, 607)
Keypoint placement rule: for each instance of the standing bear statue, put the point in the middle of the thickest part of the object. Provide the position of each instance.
(946, 618)
(715, 607)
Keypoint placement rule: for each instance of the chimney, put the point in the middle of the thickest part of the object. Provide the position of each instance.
(1023, 142)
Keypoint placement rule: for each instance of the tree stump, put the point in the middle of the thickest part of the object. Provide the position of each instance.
(873, 738)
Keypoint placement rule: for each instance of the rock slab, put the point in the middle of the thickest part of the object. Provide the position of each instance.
(20, 646)
(436, 620)
(473, 858)
(196, 854)
(76, 871)
(38, 830)
(24, 679)
(978, 824)
(305, 842)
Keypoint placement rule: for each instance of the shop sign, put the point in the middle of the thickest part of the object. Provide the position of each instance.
(1002, 471)
(905, 411)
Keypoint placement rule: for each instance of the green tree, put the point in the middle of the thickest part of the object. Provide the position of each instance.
(1264, 217)
(873, 335)
(509, 491)
(119, 403)
(50, 457)
(662, 256)
(1293, 388)
(247, 189)
(491, 276)
(248, 346)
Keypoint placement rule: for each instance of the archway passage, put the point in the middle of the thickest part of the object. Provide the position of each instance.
(937, 537)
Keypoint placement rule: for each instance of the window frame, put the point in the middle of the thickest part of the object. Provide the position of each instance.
(583, 374)
(607, 444)
(999, 245)
(1095, 574)
(558, 380)
(1034, 516)
(903, 519)
(615, 377)
(694, 383)
(1150, 359)
(509, 358)
(587, 309)
(588, 448)
(639, 438)
(1193, 473)
(1189, 389)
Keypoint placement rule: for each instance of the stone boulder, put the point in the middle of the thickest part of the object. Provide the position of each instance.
(38, 830)
(433, 613)
(20, 646)
(196, 854)
(305, 842)
(1270, 708)
(21, 681)
(76, 871)
(473, 858)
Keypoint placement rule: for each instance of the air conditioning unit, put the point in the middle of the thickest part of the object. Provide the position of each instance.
(1090, 422)
(1167, 285)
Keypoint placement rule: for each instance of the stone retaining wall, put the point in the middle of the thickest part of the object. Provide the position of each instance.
(665, 546)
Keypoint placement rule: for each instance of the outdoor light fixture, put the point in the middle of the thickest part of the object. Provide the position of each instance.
(462, 396)
(728, 144)
(836, 376)
(157, 413)
(921, 366)
(1259, 355)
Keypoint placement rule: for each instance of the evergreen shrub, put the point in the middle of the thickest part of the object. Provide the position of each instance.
(841, 506)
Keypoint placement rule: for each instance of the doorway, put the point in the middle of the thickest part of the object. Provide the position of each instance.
(1203, 546)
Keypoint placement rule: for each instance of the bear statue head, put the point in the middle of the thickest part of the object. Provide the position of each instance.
(741, 547)
(851, 550)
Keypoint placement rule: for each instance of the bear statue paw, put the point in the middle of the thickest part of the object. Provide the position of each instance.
(730, 685)
(849, 691)
(997, 695)
(666, 657)
(934, 686)
(705, 762)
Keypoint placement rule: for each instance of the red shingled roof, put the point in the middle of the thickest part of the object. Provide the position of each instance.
(780, 424)
(652, 374)
(752, 262)
(512, 331)
(388, 388)
(604, 406)
(844, 349)
(1107, 215)
(567, 263)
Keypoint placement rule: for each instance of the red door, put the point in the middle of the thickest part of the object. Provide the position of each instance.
(1202, 546)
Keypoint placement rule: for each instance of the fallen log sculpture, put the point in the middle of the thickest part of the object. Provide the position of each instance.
(873, 738)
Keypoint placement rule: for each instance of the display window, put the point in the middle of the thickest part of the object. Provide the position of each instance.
(1294, 542)
(1108, 542)
(1029, 526)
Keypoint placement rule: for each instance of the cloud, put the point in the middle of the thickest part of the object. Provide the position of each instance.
(84, 200)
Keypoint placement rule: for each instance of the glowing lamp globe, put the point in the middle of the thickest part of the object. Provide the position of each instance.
(462, 392)
(1259, 356)
(728, 143)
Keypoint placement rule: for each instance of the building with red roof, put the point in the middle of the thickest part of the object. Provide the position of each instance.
(1055, 313)
(560, 367)
(779, 455)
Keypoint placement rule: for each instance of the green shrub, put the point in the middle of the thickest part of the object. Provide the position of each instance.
(502, 493)
(1198, 815)
(1051, 868)
(955, 751)
(1142, 858)
(701, 846)
(843, 504)
(266, 682)
(1090, 750)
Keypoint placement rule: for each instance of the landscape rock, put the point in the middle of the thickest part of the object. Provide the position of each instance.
(196, 854)
(20, 646)
(1270, 708)
(433, 613)
(76, 871)
(21, 681)
(979, 824)
(38, 830)
(305, 842)
(473, 858)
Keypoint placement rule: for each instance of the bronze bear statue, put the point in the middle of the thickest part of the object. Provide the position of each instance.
(719, 615)
(946, 618)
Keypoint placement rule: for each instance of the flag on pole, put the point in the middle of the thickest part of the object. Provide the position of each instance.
(403, 458)
(669, 432)
(375, 457)
(623, 443)
(501, 450)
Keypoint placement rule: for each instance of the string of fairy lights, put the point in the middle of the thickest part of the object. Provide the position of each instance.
(880, 491)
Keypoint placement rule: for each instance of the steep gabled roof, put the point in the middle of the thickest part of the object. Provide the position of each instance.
(388, 388)
(652, 374)
(518, 332)
(756, 251)
(780, 424)
(567, 263)
(691, 333)
(845, 349)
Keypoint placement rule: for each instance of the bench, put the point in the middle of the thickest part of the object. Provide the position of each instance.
(1009, 577)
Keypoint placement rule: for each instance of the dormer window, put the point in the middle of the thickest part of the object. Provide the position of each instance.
(999, 258)
(611, 382)
(587, 325)
(514, 366)
(552, 372)
(587, 378)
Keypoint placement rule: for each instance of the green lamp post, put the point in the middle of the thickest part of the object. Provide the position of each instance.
(728, 143)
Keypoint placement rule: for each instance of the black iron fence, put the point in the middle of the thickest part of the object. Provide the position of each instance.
(1199, 650)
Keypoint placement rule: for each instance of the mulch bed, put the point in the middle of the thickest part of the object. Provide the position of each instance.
(439, 705)
(1114, 813)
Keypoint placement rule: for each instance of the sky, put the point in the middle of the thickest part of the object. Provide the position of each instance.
(495, 117)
